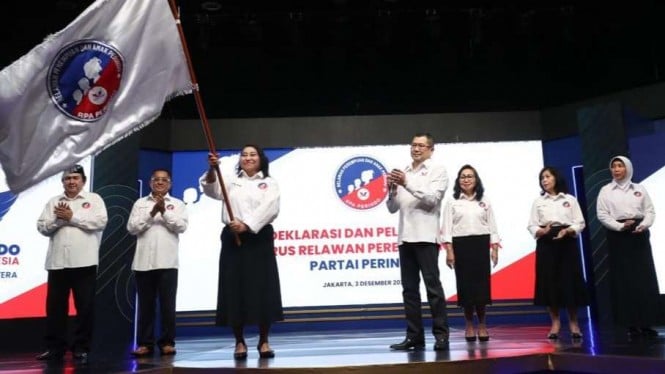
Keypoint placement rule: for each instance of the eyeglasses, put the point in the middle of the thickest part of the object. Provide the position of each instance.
(467, 176)
(419, 145)
(158, 179)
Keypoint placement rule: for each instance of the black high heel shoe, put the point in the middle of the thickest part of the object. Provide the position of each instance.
(483, 335)
(240, 355)
(470, 335)
(265, 354)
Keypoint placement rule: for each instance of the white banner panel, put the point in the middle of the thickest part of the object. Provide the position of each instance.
(336, 250)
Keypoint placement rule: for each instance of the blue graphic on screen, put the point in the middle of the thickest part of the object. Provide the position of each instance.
(7, 199)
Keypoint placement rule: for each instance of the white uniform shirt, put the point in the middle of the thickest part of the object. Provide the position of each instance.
(615, 203)
(558, 210)
(157, 237)
(254, 200)
(467, 216)
(73, 244)
(419, 202)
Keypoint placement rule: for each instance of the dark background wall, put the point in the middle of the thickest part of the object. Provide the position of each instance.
(561, 121)
(343, 130)
(547, 124)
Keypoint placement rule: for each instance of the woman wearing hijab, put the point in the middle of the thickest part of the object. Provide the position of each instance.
(626, 210)
(556, 221)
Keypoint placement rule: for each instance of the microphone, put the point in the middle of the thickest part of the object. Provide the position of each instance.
(392, 186)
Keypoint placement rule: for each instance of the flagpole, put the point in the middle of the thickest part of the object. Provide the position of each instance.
(202, 113)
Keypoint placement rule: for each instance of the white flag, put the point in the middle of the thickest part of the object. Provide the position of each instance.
(105, 75)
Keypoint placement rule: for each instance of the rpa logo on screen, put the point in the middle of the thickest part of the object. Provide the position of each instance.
(360, 183)
(83, 78)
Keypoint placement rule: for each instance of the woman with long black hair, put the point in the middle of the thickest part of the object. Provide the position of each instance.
(249, 290)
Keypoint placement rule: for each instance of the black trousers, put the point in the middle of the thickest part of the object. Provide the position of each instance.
(81, 282)
(414, 259)
(150, 285)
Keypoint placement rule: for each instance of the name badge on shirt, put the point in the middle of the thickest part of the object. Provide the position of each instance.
(637, 194)
(170, 207)
(566, 204)
(86, 205)
(263, 185)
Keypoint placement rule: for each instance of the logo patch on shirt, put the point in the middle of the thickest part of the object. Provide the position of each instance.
(170, 207)
(263, 186)
(482, 204)
(86, 205)
(360, 183)
(83, 78)
(637, 194)
(566, 204)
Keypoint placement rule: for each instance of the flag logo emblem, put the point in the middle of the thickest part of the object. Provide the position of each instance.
(83, 78)
(360, 183)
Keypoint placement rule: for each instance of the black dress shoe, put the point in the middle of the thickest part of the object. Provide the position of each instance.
(553, 336)
(50, 355)
(408, 344)
(576, 335)
(441, 344)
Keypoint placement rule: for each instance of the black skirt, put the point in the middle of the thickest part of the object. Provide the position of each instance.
(248, 290)
(633, 282)
(559, 278)
(472, 270)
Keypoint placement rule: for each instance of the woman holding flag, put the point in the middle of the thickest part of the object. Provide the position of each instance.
(249, 290)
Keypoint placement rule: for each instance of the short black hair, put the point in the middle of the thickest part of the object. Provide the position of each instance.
(430, 138)
(479, 189)
(263, 160)
(161, 169)
(560, 185)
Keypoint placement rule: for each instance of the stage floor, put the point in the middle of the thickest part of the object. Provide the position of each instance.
(511, 349)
